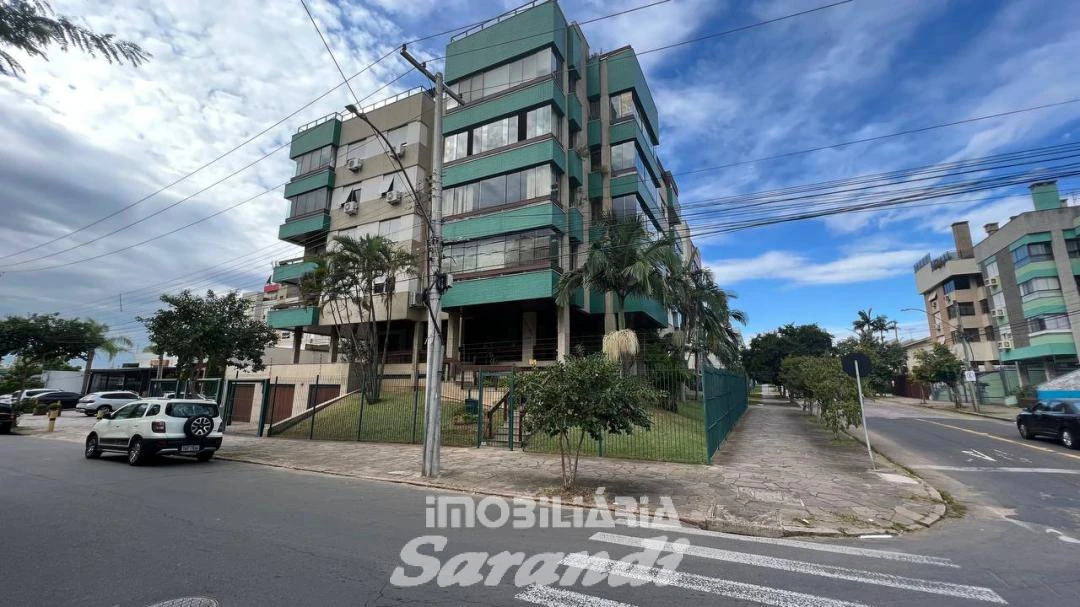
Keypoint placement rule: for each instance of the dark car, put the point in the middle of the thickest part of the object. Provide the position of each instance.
(1058, 419)
(7, 417)
(67, 400)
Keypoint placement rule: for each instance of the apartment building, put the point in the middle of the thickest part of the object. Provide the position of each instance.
(550, 137)
(957, 307)
(349, 183)
(1030, 267)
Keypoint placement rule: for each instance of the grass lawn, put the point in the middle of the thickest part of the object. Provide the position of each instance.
(674, 437)
(391, 420)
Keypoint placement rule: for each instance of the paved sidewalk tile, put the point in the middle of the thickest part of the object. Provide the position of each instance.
(779, 473)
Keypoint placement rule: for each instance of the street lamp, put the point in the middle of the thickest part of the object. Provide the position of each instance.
(965, 349)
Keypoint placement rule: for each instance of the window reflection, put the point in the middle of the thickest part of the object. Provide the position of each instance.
(537, 182)
(309, 202)
(314, 160)
(504, 252)
(501, 133)
(500, 78)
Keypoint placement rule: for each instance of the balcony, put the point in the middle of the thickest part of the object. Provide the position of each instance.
(539, 284)
(301, 230)
(930, 275)
(518, 219)
(288, 318)
(312, 136)
(514, 100)
(513, 159)
(650, 307)
(291, 271)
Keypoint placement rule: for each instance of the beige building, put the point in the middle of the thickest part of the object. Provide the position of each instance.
(955, 301)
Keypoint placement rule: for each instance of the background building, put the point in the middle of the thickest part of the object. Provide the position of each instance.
(957, 306)
(1030, 266)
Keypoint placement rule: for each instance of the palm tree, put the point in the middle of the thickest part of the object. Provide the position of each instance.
(98, 340)
(623, 261)
(881, 325)
(31, 25)
(864, 324)
(705, 317)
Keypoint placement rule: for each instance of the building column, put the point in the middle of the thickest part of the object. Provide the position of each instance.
(528, 335)
(334, 337)
(297, 339)
(563, 328)
(419, 332)
(453, 334)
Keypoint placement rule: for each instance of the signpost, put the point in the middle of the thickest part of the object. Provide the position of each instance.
(855, 364)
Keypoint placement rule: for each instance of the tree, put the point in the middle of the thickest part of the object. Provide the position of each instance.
(586, 394)
(820, 382)
(623, 261)
(667, 370)
(22, 374)
(40, 338)
(939, 365)
(31, 25)
(705, 318)
(805, 340)
(864, 323)
(206, 334)
(767, 351)
(94, 338)
(345, 281)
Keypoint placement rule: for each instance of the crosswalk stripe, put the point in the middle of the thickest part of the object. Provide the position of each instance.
(701, 583)
(557, 597)
(836, 548)
(977, 593)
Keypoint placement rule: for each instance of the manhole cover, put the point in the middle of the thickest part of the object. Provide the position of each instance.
(191, 601)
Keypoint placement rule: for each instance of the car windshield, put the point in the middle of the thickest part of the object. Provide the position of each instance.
(191, 409)
(1073, 408)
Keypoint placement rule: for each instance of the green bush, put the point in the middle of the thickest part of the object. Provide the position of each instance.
(40, 409)
(820, 382)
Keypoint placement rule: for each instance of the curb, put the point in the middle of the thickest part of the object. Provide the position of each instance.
(689, 520)
(961, 411)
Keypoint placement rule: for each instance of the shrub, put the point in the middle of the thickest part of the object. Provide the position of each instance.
(40, 409)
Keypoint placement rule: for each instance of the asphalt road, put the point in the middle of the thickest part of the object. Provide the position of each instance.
(1029, 482)
(101, 533)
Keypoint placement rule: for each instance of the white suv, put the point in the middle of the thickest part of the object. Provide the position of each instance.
(158, 426)
(104, 401)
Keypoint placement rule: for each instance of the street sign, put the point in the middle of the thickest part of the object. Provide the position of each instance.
(969, 376)
(848, 362)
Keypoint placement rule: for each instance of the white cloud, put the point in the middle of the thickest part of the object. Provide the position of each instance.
(797, 269)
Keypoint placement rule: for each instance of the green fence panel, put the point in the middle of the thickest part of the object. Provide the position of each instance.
(726, 395)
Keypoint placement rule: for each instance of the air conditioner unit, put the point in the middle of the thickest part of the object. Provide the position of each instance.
(393, 197)
(580, 199)
(350, 207)
(354, 164)
(604, 169)
(994, 282)
(1006, 344)
(948, 299)
(398, 152)
(999, 312)
(416, 299)
(582, 150)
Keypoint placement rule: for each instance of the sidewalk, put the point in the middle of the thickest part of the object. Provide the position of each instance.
(778, 474)
(1001, 412)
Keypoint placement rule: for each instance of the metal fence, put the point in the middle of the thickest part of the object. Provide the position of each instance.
(726, 395)
(482, 407)
(206, 388)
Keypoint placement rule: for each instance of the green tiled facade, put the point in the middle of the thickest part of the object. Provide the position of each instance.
(316, 137)
(516, 159)
(541, 93)
(322, 179)
(299, 231)
(1036, 269)
(293, 317)
(497, 289)
(540, 26)
(293, 272)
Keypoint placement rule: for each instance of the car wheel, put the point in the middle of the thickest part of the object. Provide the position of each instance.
(136, 456)
(1024, 432)
(205, 457)
(106, 408)
(199, 426)
(1068, 439)
(5, 428)
(93, 449)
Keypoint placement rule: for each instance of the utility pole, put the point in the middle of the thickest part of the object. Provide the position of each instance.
(967, 358)
(437, 281)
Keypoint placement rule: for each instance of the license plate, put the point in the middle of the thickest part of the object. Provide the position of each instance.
(189, 448)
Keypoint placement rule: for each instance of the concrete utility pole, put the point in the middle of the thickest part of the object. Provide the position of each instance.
(437, 281)
(967, 358)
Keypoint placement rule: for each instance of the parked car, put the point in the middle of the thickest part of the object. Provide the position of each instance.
(158, 426)
(67, 400)
(1058, 419)
(5, 399)
(104, 401)
(26, 395)
(7, 417)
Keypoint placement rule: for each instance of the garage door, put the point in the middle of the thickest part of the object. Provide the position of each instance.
(281, 402)
(243, 398)
(321, 394)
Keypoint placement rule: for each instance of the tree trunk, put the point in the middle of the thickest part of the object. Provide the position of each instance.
(577, 458)
(620, 314)
(86, 372)
(388, 297)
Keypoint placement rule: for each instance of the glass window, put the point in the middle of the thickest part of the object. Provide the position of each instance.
(1040, 287)
(1036, 251)
(502, 77)
(967, 308)
(957, 283)
(456, 146)
(124, 412)
(314, 160)
(999, 301)
(538, 122)
(991, 269)
(390, 228)
(990, 333)
(594, 109)
(1074, 408)
(191, 409)
(622, 106)
(506, 251)
(1058, 322)
(497, 79)
(154, 410)
(309, 202)
(623, 157)
(537, 182)
(1073, 246)
(984, 306)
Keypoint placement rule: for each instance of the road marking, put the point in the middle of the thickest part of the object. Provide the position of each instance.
(701, 583)
(999, 469)
(975, 593)
(557, 597)
(1063, 537)
(974, 453)
(835, 548)
(1007, 440)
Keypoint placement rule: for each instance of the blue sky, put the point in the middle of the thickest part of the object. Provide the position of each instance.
(87, 138)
